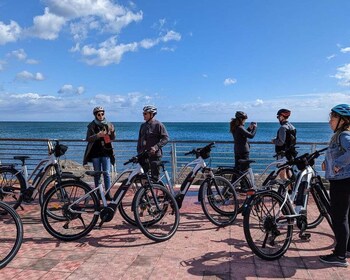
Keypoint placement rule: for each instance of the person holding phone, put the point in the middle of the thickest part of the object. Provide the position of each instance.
(99, 149)
(240, 135)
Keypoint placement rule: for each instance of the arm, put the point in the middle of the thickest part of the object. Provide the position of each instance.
(249, 133)
(281, 137)
(344, 159)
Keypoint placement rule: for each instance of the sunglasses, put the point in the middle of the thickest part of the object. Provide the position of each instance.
(145, 113)
(101, 114)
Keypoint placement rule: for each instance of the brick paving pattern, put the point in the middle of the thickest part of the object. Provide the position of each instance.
(198, 250)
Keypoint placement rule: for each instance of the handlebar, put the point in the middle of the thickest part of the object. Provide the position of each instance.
(137, 158)
(307, 158)
(198, 150)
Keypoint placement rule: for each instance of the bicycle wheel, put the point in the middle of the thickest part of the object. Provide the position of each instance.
(11, 236)
(314, 216)
(321, 198)
(241, 186)
(12, 185)
(219, 201)
(267, 233)
(125, 206)
(156, 212)
(51, 182)
(75, 211)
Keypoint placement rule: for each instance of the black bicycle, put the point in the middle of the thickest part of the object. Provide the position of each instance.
(11, 233)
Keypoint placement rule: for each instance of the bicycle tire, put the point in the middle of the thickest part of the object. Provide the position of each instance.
(323, 203)
(219, 201)
(71, 224)
(313, 223)
(157, 224)
(51, 181)
(11, 236)
(260, 217)
(126, 205)
(12, 186)
(240, 186)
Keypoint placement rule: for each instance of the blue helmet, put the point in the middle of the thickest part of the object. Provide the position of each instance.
(342, 110)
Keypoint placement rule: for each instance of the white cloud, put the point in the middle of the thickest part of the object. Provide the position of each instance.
(345, 50)
(109, 52)
(27, 76)
(331, 56)
(18, 54)
(69, 89)
(343, 75)
(46, 26)
(229, 81)
(9, 33)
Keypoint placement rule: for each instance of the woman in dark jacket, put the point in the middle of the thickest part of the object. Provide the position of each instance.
(99, 149)
(241, 135)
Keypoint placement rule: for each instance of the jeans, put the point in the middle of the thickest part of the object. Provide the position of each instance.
(102, 164)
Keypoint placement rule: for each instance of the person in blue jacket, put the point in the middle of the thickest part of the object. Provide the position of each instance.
(337, 171)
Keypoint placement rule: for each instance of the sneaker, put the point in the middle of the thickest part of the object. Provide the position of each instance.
(333, 259)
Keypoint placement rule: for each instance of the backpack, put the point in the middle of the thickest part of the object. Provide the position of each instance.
(291, 140)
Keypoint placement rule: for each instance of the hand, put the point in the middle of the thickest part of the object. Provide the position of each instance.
(152, 151)
(336, 169)
(323, 166)
(101, 134)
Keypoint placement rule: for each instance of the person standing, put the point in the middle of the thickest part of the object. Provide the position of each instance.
(286, 136)
(241, 135)
(337, 171)
(99, 149)
(153, 136)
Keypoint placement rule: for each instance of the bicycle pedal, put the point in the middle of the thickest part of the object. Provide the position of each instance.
(305, 236)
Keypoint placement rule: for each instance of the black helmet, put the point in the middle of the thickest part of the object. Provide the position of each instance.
(241, 115)
(342, 110)
(284, 112)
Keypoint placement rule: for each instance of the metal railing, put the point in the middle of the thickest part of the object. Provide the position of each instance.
(221, 155)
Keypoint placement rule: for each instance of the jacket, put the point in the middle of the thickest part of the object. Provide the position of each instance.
(91, 138)
(338, 155)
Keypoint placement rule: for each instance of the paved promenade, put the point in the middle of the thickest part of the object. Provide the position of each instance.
(199, 250)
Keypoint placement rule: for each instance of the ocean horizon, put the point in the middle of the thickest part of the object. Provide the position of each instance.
(204, 131)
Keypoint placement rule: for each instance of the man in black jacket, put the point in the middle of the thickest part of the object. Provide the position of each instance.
(153, 136)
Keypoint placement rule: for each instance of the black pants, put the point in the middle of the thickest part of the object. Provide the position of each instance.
(151, 163)
(340, 208)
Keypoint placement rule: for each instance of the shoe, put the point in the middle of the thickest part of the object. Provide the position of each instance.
(335, 260)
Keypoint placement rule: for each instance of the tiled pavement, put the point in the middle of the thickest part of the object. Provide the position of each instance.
(198, 250)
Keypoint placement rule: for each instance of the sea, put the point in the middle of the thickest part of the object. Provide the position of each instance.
(178, 131)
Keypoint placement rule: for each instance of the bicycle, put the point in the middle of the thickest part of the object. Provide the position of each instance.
(244, 181)
(16, 185)
(78, 207)
(269, 215)
(217, 196)
(11, 236)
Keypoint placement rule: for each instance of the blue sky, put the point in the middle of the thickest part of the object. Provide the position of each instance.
(196, 60)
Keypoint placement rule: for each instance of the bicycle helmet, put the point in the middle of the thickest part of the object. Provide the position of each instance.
(241, 115)
(284, 112)
(342, 110)
(98, 109)
(150, 109)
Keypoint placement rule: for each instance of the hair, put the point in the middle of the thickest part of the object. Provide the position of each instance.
(344, 127)
(234, 123)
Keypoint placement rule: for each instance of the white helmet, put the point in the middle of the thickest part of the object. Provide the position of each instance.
(98, 109)
(150, 109)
